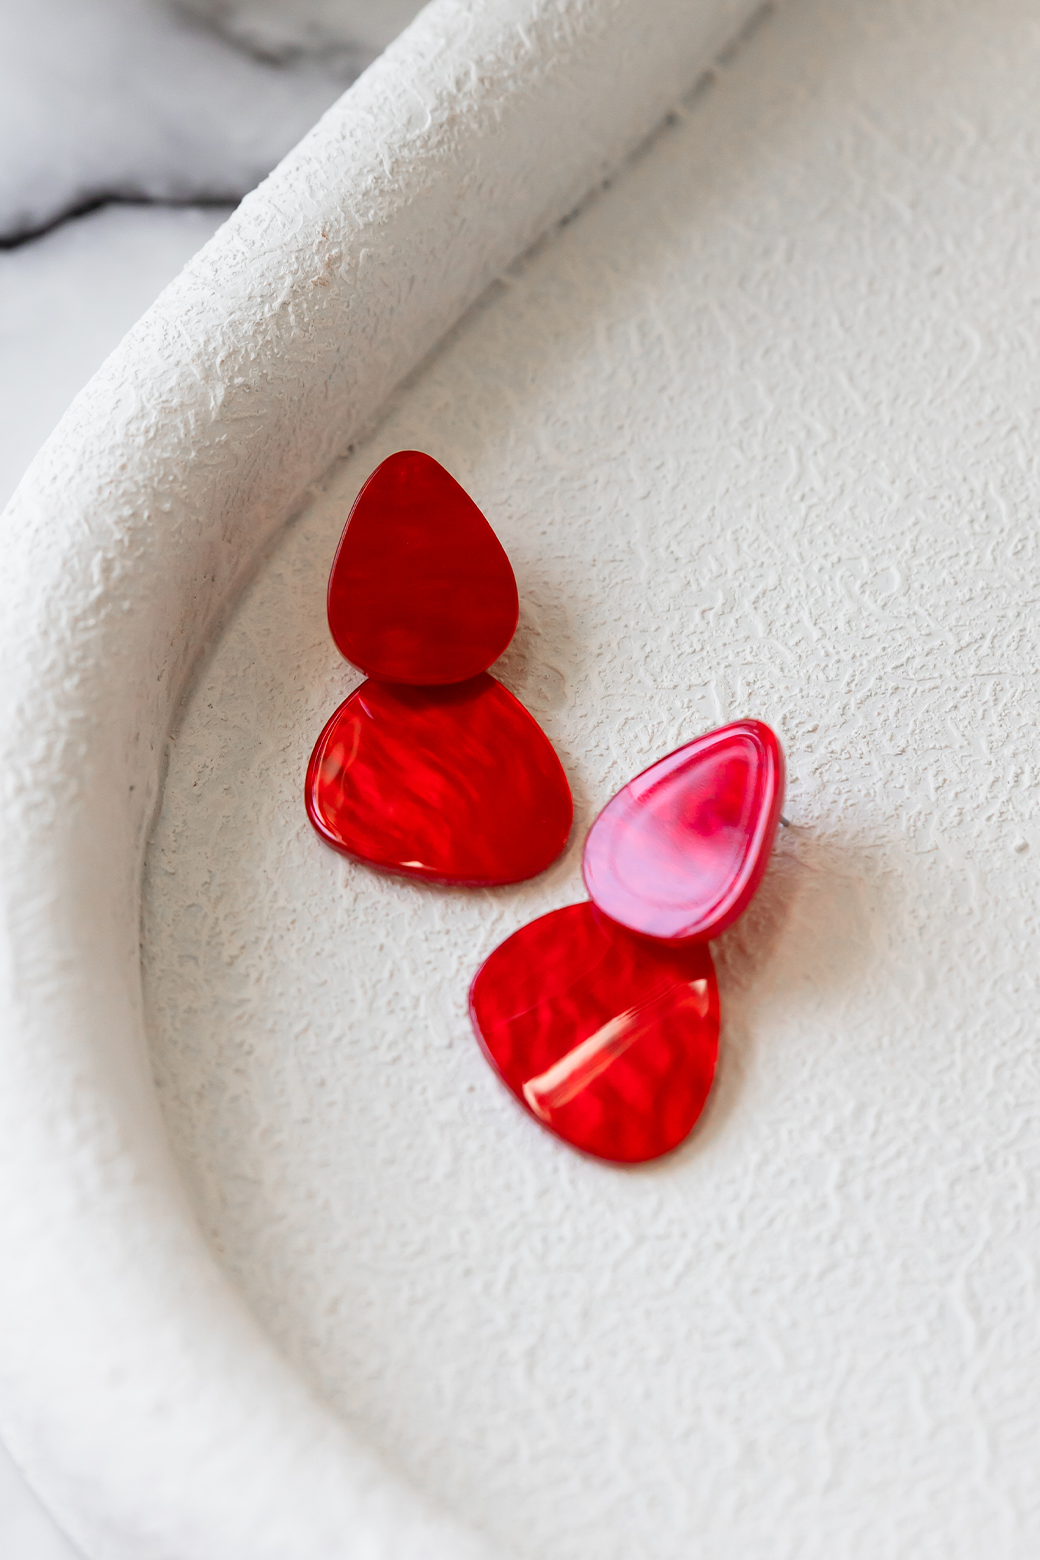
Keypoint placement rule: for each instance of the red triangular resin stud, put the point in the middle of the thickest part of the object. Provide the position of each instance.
(680, 850)
(607, 1039)
(455, 785)
(421, 590)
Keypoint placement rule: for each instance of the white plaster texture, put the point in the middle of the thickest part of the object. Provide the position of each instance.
(67, 300)
(137, 1392)
(759, 431)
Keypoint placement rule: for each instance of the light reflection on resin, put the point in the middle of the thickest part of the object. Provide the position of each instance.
(607, 1039)
(680, 850)
(455, 784)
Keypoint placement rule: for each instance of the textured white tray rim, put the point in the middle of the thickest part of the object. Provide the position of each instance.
(141, 1398)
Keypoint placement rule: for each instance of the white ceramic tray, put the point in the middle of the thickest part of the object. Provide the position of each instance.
(757, 431)
(138, 1393)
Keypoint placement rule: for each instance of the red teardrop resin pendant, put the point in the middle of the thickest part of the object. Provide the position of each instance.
(680, 850)
(421, 590)
(607, 1039)
(455, 785)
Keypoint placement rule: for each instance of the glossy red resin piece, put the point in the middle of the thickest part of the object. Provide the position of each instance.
(607, 1039)
(680, 850)
(421, 590)
(454, 785)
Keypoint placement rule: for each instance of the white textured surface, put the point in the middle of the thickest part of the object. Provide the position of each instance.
(134, 1386)
(759, 432)
(66, 301)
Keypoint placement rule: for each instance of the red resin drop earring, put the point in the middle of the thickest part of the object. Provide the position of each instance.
(454, 785)
(607, 1039)
(603, 1018)
(421, 590)
(431, 769)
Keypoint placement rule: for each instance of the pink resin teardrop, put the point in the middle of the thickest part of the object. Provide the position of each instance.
(680, 850)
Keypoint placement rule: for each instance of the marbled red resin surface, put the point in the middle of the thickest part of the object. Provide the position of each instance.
(608, 1039)
(456, 784)
(421, 590)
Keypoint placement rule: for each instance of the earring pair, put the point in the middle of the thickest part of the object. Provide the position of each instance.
(431, 768)
(602, 1018)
